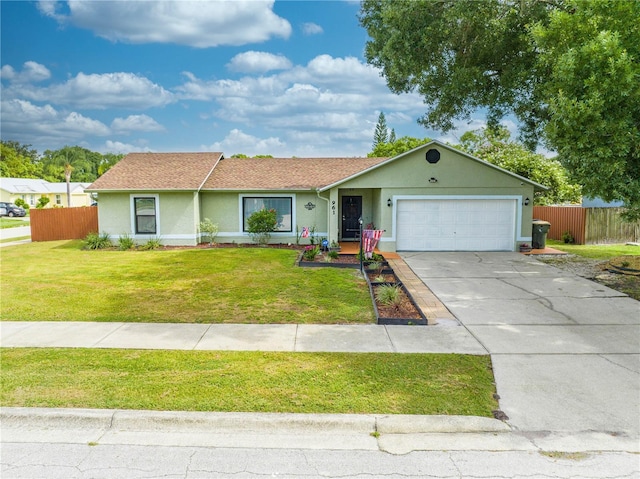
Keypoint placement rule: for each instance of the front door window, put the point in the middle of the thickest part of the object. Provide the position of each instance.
(351, 214)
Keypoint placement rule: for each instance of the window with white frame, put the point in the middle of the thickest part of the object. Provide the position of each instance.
(282, 205)
(144, 209)
(58, 199)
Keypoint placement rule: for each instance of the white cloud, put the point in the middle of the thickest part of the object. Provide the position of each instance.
(335, 99)
(311, 29)
(258, 62)
(97, 91)
(237, 142)
(118, 147)
(29, 123)
(7, 72)
(136, 123)
(200, 24)
(31, 72)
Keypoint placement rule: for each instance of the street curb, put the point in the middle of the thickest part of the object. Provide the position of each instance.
(176, 421)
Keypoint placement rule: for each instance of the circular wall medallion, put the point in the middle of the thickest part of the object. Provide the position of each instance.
(433, 156)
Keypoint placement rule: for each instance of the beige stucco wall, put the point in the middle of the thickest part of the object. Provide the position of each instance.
(175, 222)
(225, 209)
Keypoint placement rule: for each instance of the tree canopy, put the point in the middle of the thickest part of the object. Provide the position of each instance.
(495, 147)
(396, 147)
(21, 161)
(568, 70)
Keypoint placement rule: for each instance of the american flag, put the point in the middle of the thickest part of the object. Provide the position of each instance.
(370, 241)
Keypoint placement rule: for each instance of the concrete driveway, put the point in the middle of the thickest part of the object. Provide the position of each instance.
(565, 350)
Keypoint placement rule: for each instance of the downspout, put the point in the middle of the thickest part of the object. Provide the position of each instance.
(328, 213)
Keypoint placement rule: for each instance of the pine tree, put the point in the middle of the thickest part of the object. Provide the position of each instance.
(392, 136)
(381, 134)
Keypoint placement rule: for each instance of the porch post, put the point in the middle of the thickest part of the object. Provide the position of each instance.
(334, 218)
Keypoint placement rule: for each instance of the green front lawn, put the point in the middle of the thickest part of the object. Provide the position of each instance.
(365, 383)
(58, 281)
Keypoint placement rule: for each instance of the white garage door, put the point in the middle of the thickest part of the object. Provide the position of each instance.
(455, 225)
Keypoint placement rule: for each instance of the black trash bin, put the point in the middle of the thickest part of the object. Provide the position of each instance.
(540, 230)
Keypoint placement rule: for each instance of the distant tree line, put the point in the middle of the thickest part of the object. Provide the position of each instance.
(70, 163)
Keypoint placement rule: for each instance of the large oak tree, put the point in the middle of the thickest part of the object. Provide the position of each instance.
(569, 70)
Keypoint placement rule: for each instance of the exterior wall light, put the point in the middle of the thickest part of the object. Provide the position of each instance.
(433, 180)
(526, 201)
(389, 202)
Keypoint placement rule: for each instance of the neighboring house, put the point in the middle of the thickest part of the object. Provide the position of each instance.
(30, 190)
(432, 198)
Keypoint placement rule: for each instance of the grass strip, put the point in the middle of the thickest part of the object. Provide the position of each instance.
(595, 251)
(12, 223)
(226, 285)
(361, 383)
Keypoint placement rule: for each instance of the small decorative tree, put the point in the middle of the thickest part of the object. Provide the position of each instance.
(22, 203)
(261, 224)
(42, 202)
(210, 229)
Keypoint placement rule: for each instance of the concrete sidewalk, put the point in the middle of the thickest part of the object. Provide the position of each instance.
(17, 232)
(240, 337)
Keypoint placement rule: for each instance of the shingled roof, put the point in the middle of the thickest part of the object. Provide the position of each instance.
(194, 171)
(158, 171)
(284, 173)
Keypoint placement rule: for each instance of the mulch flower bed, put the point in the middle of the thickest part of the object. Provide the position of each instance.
(403, 311)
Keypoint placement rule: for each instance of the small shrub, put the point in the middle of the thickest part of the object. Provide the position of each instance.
(374, 266)
(125, 242)
(388, 294)
(22, 203)
(210, 229)
(374, 257)
(333, 254)
(261, 224)
(98, 241)
(310, 252)
(153, 243)
(379, 278)
(567, 237)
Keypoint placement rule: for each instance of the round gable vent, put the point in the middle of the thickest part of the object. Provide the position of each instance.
(433, 156)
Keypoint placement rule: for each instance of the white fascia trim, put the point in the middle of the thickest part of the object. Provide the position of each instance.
(267, 195)
(517, 198)
(133, 215)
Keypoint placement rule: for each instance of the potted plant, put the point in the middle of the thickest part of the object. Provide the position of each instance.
(334, 246)
(525, 247)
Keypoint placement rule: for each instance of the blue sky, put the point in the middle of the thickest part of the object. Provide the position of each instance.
(286, 78)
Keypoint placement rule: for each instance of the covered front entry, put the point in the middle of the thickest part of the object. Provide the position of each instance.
(351, 214)
(455, 224)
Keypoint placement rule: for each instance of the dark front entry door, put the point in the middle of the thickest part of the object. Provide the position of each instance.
(351, 213)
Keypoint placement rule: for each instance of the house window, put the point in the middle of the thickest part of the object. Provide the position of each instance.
(58, 200)
(282, 205)
(145, 215)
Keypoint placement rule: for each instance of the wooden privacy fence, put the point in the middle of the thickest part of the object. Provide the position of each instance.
(587, 225)
(52, 224)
